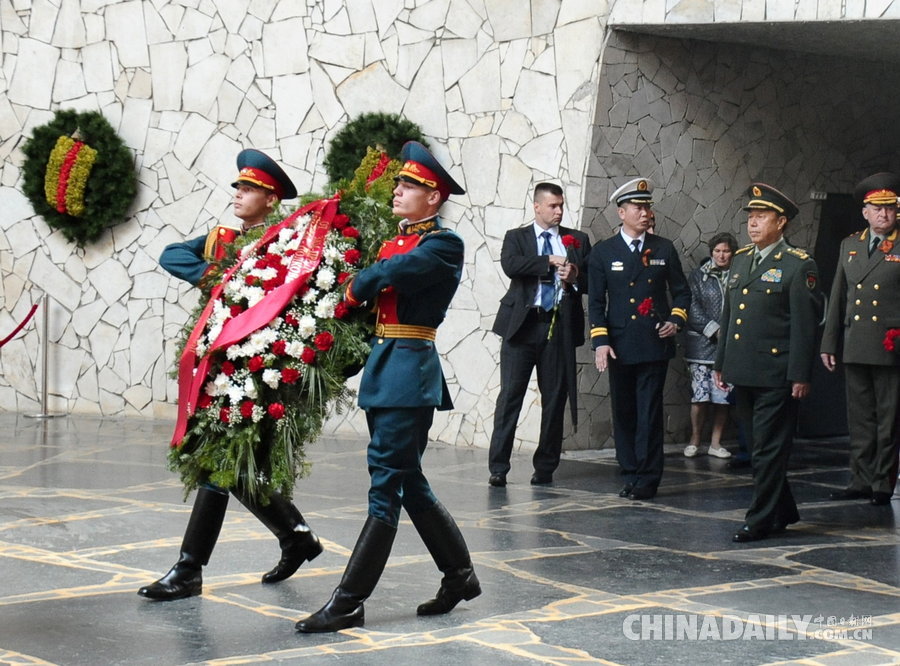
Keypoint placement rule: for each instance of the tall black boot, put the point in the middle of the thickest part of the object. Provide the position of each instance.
(298, 542)
(451, 555)
(185, 578)
(345, 608)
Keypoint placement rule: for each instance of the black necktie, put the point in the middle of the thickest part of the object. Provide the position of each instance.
(636, 245)
(876, 241)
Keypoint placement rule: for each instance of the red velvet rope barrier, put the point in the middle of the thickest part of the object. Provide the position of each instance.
(21, 325)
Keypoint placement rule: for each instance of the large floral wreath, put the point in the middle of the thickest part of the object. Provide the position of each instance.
(268, 353)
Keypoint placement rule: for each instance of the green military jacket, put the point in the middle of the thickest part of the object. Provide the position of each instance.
(865, 301)
(768, 325)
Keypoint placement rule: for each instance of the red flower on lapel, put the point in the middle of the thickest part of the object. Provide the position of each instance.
(645, 257)
(886, 245)
(889, 337)
(569, 241)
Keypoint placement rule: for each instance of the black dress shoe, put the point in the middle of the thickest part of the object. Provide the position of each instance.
(850, 494)
(745, 534)
(640, 493)
(880, 499)
(541, 479)
(497, 480)
(626, 491)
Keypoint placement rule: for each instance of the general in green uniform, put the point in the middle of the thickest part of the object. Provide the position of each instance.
(864, 305)
(766, 349)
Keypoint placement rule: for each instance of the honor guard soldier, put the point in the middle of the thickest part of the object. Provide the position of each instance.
(766, 349)
(864, 306)
(410, 287)
(259, 186)
(631, 279)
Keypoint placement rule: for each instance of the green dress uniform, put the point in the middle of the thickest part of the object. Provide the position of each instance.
(767, 341)
(864, 304)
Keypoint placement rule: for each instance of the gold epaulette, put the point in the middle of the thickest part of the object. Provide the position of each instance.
(797, 252)
(746, 248)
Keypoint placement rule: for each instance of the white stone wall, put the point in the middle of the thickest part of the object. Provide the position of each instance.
(504, 89)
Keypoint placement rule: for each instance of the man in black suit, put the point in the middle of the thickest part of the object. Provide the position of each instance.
(541, 321)
(632, 275)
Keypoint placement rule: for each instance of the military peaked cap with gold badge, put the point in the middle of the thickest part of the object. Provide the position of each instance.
(422, 168)
(766, 197)
(257, 168)
(635, 191)
(880, 189)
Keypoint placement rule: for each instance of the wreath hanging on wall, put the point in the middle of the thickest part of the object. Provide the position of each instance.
(387, 131)
(79, 175)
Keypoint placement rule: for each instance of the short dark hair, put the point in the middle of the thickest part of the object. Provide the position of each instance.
(549, 188)
(723, 237)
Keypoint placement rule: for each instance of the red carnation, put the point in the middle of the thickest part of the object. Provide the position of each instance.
(269, 285)
(227, 368)
(261, 262)
(308, 355)
(350, 232)
(323, 341)
(290, 375)
(279, 348)
(223, 414)
(570, 241)
(250, 280)
(291, 320)
(340, 221)
(276, 410)
(646, 307)
(247, 409)
(235, 310)
(341, 310)
(889, 339)
(351, 256)
(256, 364)
(342, 277)
(204, 401)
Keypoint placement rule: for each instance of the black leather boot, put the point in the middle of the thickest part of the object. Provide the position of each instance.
(185, 578)
(298, 543)
(345, 608)
(451, 555)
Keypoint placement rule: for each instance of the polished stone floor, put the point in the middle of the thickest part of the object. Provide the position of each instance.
(571, 573)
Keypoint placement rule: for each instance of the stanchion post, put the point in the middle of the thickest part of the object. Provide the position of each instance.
(45, 347)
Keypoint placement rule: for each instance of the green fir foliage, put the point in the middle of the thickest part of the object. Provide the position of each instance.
(110, 188)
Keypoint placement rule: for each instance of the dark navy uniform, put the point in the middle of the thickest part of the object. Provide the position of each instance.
(864, 304)
(766, 344)
(620, 283)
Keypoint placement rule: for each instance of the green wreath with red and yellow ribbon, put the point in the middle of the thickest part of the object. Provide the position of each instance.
(79, 175)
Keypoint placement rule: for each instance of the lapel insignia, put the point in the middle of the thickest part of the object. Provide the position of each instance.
(617, 266)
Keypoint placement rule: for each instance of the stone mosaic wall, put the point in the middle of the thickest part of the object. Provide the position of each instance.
(504, 89)
(703, 120)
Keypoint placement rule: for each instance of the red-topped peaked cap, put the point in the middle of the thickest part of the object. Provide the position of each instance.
(422, 168)
(257, 168)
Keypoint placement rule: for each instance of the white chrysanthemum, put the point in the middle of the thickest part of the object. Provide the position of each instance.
(200, 348)
(307, 326)
(233, 289)
(271, 377)
(263, 338)
(285, 235)
(325, 308)
(221, 383)
(253, 346)
(234, 352)
(264, 274)
(253, 295)
(310, 296)
(325, 278)
(250, 388)
(210, 389)
(294, 348)
(235, 393)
